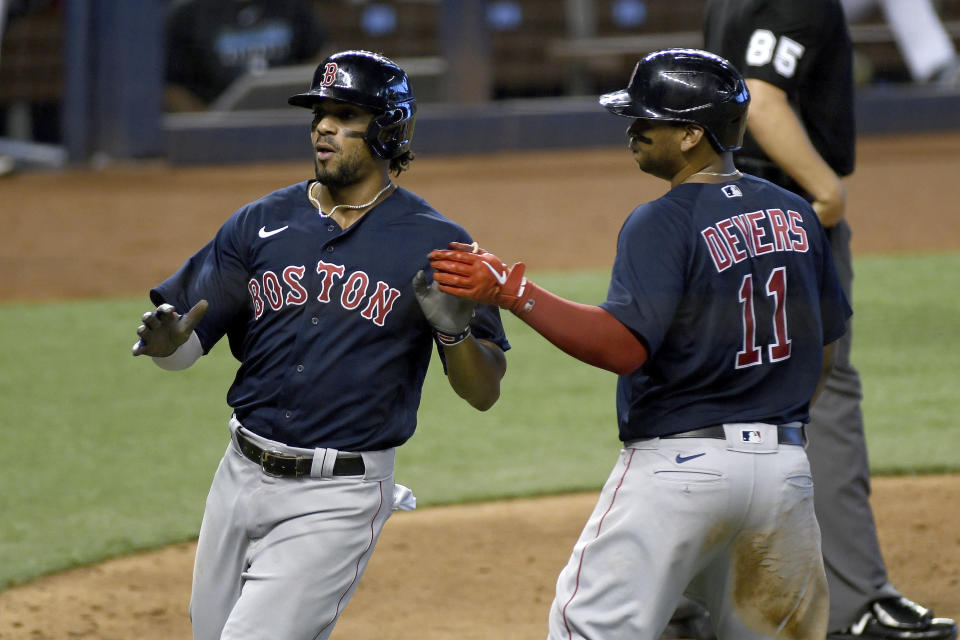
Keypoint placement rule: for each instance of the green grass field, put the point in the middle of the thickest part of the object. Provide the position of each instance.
(105, 454)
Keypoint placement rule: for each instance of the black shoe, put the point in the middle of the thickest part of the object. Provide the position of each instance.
(898, 619)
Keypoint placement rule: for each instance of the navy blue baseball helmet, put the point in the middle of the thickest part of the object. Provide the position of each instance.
(687, 85)
(373, 81)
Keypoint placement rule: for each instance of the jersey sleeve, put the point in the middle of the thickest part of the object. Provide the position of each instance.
(217, 274)
(782, 43)
(648, 279)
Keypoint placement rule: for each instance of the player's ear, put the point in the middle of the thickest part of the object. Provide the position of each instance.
(693, 134)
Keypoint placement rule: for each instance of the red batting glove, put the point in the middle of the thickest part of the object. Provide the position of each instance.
(466, 271)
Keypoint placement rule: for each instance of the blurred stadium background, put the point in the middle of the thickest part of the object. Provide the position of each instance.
(82, 81)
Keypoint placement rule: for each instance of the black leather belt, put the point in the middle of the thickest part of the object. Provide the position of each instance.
(284, 465)
(785, 434)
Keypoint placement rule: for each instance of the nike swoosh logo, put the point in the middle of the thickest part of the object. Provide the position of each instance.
(500, 276)
(681, 459)
(263, 233)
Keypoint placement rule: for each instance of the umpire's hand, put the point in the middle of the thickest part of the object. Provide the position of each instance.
(164, 330)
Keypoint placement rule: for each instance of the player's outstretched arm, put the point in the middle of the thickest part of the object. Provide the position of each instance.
(474, 367)
(164, 332)
(586, 332)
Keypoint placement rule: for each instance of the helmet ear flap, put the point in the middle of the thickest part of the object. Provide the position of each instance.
(389, 133)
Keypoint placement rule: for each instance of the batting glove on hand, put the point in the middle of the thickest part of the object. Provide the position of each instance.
(449, 316)
(164, 330)
(467, 271)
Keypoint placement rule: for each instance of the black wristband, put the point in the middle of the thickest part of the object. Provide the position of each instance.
(449, 340)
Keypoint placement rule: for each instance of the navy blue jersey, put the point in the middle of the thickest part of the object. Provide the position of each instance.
(733, 289)
(332, 343)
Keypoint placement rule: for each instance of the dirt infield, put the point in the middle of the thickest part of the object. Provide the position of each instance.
(476, 571)
(470, 572)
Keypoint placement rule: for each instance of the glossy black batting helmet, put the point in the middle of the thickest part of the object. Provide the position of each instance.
(687, 85)
(368, 80)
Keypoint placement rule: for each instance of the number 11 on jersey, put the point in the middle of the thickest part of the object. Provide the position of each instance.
(776, 288)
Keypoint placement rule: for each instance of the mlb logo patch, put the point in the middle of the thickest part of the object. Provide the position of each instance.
(751, 435)
(732, 191)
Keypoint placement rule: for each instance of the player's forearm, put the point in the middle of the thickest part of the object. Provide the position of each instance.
(586, 332)
(781, 135)
(474, 370)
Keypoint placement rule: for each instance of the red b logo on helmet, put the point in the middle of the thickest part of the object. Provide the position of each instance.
(329, 74)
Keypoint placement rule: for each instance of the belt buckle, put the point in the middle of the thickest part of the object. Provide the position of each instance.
(268, 462)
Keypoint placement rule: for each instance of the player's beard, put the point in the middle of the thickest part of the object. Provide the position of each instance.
(344, 169)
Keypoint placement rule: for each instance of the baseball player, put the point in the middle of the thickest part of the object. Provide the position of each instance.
(721, 313)
(320, 290)
(797, 59)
